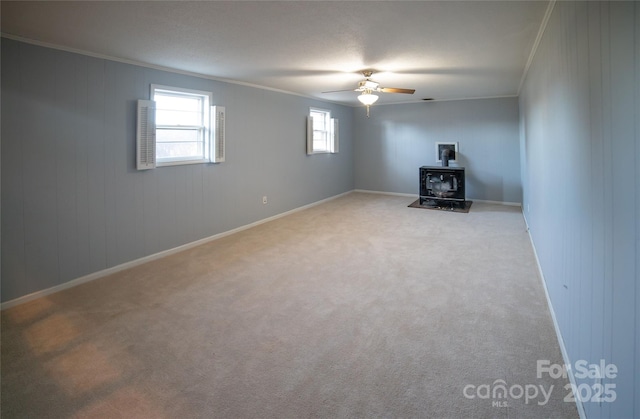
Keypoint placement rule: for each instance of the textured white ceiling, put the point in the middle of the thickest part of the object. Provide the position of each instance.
(443, 49)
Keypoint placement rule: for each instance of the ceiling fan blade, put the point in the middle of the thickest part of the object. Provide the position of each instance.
(396, 90)
(338, 91)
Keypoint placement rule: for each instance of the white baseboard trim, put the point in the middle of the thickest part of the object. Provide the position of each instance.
(563, 349)
(155, 256)
(511, 204)
(410, 195)
(415, 196)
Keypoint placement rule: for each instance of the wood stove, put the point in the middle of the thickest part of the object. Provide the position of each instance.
(442, 186)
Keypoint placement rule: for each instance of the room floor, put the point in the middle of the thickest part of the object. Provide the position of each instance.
(358, 307)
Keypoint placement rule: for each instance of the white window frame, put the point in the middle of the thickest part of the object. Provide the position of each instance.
(328, 130)
(441, 146)
(204, 129)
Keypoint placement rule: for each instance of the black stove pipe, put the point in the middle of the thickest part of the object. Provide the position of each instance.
(446, 154)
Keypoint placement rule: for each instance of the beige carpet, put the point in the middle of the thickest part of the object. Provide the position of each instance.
(357, 308)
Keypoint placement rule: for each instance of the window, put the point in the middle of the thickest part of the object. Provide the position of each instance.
(182, 124)
(322, 132)
(179, 126)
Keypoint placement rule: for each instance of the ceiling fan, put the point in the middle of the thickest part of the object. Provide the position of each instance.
(368, 87)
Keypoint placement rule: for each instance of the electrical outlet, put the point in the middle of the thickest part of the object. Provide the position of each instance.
(264, 199)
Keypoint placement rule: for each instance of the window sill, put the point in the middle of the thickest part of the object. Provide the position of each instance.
(180, 162)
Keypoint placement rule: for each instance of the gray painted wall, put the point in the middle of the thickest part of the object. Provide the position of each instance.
(396, 140)
(72, 201)
(580, 124)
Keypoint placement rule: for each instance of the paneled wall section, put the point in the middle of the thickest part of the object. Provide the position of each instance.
(396, 140)
(72, 201)
(580, 109)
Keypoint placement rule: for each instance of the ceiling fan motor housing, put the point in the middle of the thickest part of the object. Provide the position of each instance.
(368, 85)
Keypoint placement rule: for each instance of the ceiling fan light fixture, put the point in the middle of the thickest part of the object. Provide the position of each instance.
(368, 98)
